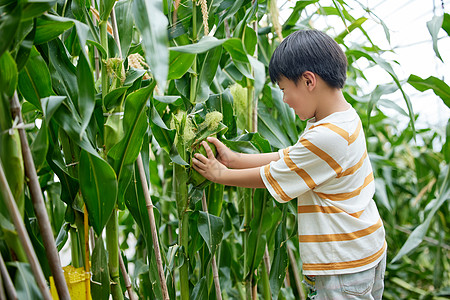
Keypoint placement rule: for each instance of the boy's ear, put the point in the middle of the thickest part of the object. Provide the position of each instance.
(309, 79)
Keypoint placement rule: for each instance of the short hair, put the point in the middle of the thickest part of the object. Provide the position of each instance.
(309, 50)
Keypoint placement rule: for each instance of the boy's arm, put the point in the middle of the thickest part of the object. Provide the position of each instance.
(236, 160)
(246, 161)
(217, 172)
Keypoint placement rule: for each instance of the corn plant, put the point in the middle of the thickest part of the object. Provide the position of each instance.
(115, 97)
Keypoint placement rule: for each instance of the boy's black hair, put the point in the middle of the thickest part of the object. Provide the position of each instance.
(309, 50)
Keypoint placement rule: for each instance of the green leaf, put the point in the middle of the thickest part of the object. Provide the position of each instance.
(135, 126)
(8, 74)
(439, 87)
(356, 24)
(433, 27)
(417, 236)
(296, 12)
(34, 80)
(124, 24)
(39, 147)
(8, 27)
(49, 27)
(35, 8)
(64, 77)
(206, 43)
(236, 49)
(210, 228)
(179, 64)
(280, 261)
(24, 282)
(100, 286)
(206, 75)
(114, 97)
(200, 290)
(86, 91)
(446, 23)
(98, 185)
(152, 24)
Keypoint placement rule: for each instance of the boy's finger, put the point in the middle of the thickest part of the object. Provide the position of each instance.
(215, 141)
(200, 158)
(208, 150)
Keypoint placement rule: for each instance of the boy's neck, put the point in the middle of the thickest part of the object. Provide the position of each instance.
(330, 100)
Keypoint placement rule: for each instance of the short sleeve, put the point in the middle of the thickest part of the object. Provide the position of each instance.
(314, 159)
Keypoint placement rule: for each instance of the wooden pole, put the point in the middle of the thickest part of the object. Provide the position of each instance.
(39, 206)
(23, 236)
(131, 294)
(151, 216)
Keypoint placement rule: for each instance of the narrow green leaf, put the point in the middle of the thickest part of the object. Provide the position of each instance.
(98, 185)
(200, 290)
(206, 75)
(35, 8)
(8, 74)
(39, 147)
(34, 80)
(206, 43)
(135, 126)
(86, 91)
(446, 23)
(179, 64)
(49, 27)
(124, 24)
(280, 261)
(152, 24)
(433, 27)
(8, 27)
(439, 87)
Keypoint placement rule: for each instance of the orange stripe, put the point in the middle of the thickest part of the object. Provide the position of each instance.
(355, 135)
(305, 209)
(335, 128)
(322, 154)
(300, 172)
(355, 168)
(349, 195)
(324, 238)
(346, 264)
(275, 185)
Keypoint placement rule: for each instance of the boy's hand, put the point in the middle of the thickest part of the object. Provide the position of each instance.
(209, 167)
(224, 154)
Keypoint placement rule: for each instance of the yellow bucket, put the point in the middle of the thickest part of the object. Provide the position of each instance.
(78, 282)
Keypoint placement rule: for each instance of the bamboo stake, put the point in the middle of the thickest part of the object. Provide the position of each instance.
(214, 265)
(2, 290)
(126, 278)
(298, 281)
(9, 286)
(151, 216)
(39, 206)
(23, 236)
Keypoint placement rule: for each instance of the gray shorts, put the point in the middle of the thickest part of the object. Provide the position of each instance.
(368, 284)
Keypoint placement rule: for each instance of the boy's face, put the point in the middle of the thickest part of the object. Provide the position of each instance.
(298, 97)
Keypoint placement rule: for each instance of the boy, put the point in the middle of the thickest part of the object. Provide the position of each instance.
(341, 235)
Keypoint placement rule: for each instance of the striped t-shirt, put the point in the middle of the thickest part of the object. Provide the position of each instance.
(329, 172)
